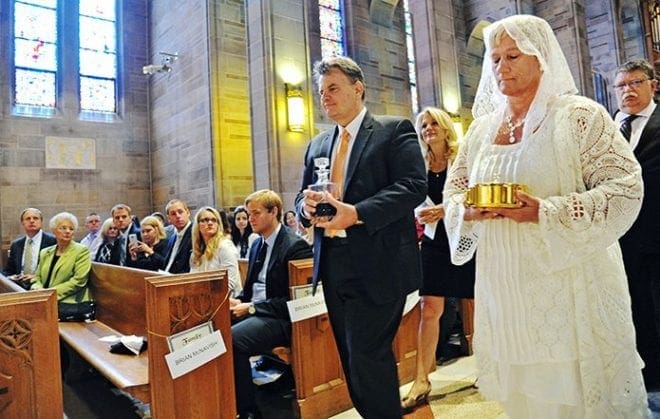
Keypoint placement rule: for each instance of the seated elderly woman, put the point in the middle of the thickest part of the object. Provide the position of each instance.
(554, 336)
(151, 252)
(213, 249)
(64, 266)
(111, 242)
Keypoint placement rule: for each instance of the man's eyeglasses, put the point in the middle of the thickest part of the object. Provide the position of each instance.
(208, 220)
(633, 83)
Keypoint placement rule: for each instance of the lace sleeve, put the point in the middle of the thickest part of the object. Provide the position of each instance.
(462, 235)
(607, 192)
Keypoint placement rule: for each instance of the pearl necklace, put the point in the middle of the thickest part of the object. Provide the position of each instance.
(512, 127)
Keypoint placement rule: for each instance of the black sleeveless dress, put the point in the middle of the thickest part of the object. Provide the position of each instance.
(439, 276)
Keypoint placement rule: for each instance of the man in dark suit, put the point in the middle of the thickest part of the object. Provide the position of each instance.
(123, 220)
(367, 254)
(22, 261)
(261, 314)
(639, 118)
(180, 243)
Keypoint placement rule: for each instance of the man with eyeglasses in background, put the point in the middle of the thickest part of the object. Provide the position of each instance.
(639, 122)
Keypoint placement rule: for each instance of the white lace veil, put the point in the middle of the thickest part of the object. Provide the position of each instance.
(533, 36)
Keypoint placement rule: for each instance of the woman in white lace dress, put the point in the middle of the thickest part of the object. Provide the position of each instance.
(553, 331)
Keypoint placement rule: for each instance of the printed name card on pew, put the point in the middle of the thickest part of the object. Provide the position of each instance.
(193, 348)
(304, 305)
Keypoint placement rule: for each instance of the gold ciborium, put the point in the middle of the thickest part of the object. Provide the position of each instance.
(494, 195)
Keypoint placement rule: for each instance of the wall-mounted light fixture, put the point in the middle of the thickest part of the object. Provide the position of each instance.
(295, 108)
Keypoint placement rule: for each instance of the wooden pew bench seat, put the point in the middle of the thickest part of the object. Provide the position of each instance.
(129, 373)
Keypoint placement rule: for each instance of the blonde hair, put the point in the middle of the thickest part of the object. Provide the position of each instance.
(200, 248)
(444, 120)
(154, 222)
(109, 222)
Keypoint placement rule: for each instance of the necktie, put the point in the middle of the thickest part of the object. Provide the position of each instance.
(337, 175)
(626, 126)
(259, 263)
(28, 267)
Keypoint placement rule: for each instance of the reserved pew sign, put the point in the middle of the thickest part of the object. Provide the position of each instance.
(304, 305)
(193, 348)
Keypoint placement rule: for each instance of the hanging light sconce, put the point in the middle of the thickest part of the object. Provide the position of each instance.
(295, 108)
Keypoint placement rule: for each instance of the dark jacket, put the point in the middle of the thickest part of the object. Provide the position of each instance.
(385, 180)
(15, 258)
(287, 247)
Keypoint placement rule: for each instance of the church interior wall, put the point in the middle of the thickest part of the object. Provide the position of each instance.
(214, 128)
(119, 167)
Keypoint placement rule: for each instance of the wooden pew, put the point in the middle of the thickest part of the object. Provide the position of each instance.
(134, 301)
(30, 379)
(321, 388)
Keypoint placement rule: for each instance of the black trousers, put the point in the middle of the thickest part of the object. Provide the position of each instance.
(643, 272)
(254, 336)
(364, 332)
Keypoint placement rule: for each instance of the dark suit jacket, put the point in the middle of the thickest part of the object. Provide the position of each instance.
(15, 260)
(644, 235)
(181, 262)
(288, 246)
(385, 180)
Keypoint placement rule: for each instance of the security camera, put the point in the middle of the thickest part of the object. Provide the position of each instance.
(152, 69)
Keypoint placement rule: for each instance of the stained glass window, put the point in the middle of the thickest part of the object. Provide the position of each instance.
(412, 73)
(98, 55)
(35, 53)
(332, 28)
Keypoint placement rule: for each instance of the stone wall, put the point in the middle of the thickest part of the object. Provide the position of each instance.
(180, 109)
(120, 151)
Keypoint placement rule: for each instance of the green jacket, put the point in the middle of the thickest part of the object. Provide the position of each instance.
(70, 273)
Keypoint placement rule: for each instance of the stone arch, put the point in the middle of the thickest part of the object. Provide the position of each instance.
(474, 53)
(382, 11)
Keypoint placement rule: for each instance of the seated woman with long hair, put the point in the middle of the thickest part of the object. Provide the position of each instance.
(213, 249)
(151, 252)
(111, 243)
(241, 232)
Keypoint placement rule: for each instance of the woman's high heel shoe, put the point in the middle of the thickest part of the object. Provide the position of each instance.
(412, 402)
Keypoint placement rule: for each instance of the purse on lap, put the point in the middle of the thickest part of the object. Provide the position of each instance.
(76, 312)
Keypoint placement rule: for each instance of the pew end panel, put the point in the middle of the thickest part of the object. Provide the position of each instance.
(321, 389)
(30, 378)
(176, 303)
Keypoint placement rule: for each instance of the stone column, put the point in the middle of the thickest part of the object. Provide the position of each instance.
(278, 54)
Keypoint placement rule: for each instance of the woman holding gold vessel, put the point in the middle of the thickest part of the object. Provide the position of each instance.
(553, 331)
(440, 278)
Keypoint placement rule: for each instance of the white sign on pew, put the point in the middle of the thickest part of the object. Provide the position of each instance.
(301, 308)
(195, 354)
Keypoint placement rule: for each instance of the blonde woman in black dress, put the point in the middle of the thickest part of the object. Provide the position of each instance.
(440, 278)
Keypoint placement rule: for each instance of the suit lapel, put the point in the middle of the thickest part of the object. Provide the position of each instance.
(651, 129)
(359, 144)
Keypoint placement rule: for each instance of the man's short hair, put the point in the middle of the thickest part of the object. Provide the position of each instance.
(176, 201)
(118, 207)
(637, 65)
(32, 210)
(268, 199)
(344, 64)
